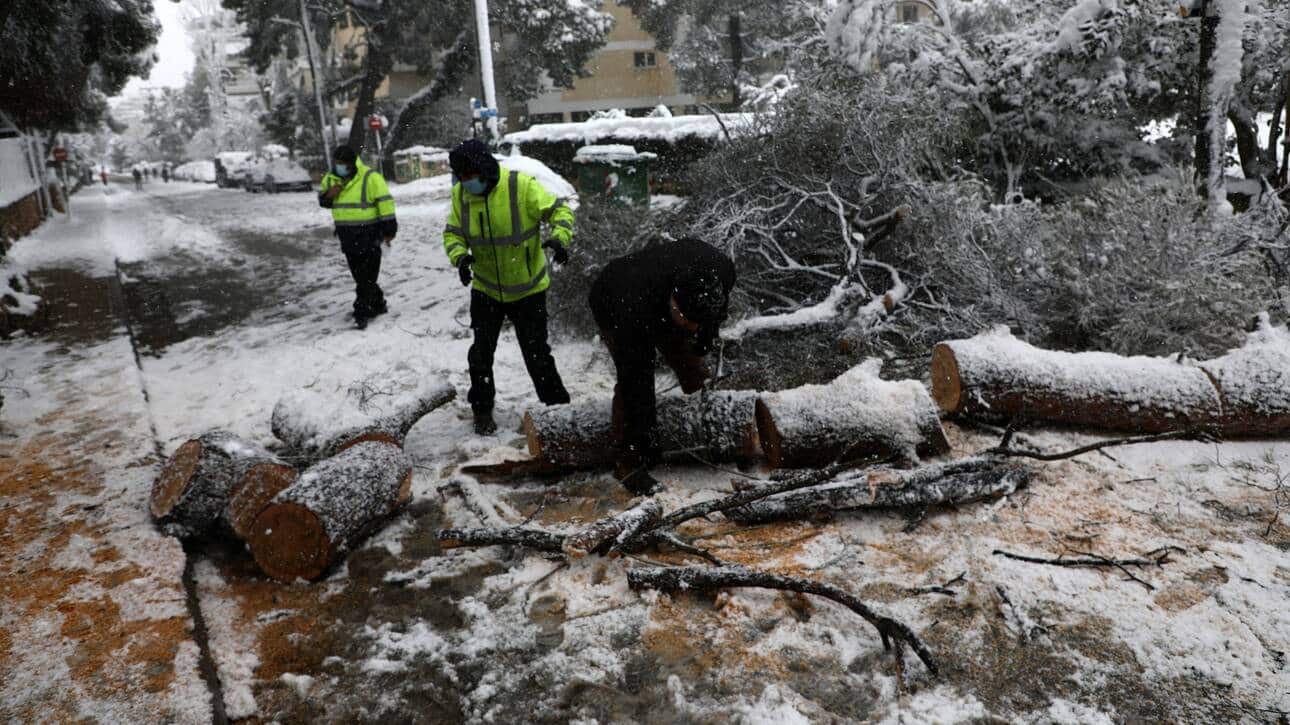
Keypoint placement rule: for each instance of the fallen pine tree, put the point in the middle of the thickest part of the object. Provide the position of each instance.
(314, 425)
(332, 506)
(190, 494)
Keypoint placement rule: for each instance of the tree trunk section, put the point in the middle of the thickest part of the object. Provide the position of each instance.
(1254, 385)
(190, 494)
(512, 536)
(716, 426)
(998, 377)
(315, 426)
(377, 67)
(949, 484)
(618, 528)
(858, 415)
(329, 509)
(250, 495)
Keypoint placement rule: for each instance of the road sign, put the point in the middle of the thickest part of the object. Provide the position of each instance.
(60, 153)
(376, 123)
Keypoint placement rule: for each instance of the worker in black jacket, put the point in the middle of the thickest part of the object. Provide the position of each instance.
(671, 298)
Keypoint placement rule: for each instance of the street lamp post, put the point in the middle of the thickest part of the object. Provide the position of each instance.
(486, 66)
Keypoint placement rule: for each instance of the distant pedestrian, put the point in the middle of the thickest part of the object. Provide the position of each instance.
(165, 174)
(138, 178)
(363, 210)
(670, 298)
(493, 236)
(103, 175)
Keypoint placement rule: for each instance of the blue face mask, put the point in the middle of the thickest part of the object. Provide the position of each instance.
(342, 170)
(475, 186)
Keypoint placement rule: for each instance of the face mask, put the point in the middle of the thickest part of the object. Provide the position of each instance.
(475, 186)
(342, 170)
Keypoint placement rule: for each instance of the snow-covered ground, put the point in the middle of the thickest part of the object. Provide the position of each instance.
(235, 299)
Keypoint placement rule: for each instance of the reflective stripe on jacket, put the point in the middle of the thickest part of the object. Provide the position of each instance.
(503, 233)
(364, 198)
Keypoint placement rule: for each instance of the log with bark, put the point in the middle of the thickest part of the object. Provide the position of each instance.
(714, 426)
(944, 484)
(857, 415)
(995, 376)
(260, 484)
(1253, 383)
(316, 425)
(332, 506)
(190, 494)
(612, 532)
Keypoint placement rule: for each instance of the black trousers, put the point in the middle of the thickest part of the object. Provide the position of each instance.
(364, 257)
(529, 317)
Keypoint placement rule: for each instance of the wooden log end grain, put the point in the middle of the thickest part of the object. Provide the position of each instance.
(947, 386)
(176, 475)
(253, 493)
(290, 542)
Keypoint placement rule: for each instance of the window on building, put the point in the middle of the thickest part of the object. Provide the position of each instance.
(536, 118)
(580, 116)
(646, 60)
(908, 13)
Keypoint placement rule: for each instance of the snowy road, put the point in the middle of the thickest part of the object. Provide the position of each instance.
(232, 299)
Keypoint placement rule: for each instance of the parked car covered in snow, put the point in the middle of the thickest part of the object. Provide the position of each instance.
(276, 175)
(203, 171)
(230, 167)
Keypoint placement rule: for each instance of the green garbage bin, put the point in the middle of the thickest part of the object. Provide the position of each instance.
(406, 168)
(615, 173)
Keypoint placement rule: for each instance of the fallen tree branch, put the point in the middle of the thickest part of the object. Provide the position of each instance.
(512, 536)
(1004, 450)
(1158, 557)
(671, 579)
(618, 529)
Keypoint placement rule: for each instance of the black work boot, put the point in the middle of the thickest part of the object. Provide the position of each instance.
(360, 322)
(484, 423)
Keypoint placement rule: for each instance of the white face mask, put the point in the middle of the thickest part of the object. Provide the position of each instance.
(342, 170)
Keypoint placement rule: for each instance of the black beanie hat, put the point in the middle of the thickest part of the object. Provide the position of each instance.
(344, 155)
(701, 297)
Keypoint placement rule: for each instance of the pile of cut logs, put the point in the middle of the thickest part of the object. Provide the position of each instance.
(339, 475)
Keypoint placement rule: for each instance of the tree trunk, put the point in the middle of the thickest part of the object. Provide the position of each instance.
(998, 377)
(715, 426)
(858, 415)
(452, 66)
(1254, 385)
(315, 426)
(954, 483)
(377, 64)
(190, 494)
(250, 495)
(1204, 100)
(329, 509)
(735, 29)
(513, 536)
(618, 529)
(1247, 145)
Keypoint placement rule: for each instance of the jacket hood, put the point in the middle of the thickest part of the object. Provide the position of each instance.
(474, 155)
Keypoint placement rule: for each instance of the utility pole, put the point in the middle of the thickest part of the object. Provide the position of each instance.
(486, 67)
(312, 52)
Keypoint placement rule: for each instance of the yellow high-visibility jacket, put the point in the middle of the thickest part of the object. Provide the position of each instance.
(503, 233)
(364, 203)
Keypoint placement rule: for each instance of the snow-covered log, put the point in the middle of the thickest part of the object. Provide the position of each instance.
(190, 494)
(717, 426)
(953, 483)
(995, 376)
(857, 415)
(617, 529)
(512, 536)
(315, 425)
(330, 508)
(1254, 385)
(260, 484)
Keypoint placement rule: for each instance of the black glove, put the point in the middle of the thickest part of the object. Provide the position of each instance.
(463, 269)
(557, 249)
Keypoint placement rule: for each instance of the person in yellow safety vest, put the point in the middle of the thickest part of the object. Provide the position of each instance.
(363, 210)
(493, 236)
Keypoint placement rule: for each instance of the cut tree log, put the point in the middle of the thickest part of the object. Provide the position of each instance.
(995, 376)
(618, 529)
(953, 483)
(190, 494)
(857, 415)
(511, 536)
(253, 492)
(715, 426)
(1254, 384)
(329, 509)
(316, 425)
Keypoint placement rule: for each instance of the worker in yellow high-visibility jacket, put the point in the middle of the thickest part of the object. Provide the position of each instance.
(363, 211)
(494, 237)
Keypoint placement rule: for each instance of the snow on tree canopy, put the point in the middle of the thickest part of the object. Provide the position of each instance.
(654, 128)
(855, 32)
